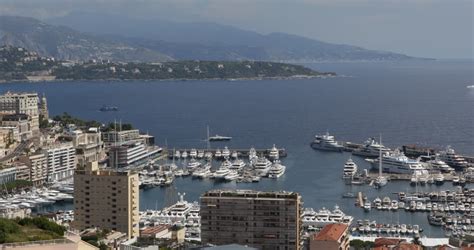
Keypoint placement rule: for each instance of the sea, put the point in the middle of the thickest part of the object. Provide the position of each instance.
(411, 102)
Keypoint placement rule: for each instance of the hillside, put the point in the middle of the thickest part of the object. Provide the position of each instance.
(132, 40)
(29, 229)
(19, 64)
(67, 44)
(213, 41)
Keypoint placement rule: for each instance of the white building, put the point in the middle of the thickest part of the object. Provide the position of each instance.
(89, 146)
(7, 175)
(130, 153)
(22, 103)
(118, 137)
(61, 161)
(19, 103)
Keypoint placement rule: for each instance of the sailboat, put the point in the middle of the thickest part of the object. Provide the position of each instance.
(380, 181)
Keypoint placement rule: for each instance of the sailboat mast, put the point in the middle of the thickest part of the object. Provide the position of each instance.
(208, 141)
(380, 156)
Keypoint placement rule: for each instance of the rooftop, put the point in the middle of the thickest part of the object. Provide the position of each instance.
(154, 230)
(331, 232)
(104, 172)
(251, 194)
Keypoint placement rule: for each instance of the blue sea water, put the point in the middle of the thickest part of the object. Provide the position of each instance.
(426, 103)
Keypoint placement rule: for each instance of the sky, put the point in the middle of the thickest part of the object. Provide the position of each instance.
(424, 28)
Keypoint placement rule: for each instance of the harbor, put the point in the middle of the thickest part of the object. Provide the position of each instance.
(257, 121)
(221, 166)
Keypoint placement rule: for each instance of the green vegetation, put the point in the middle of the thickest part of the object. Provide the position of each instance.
(29, 229)
(111, 126)
(66, 119)
(43, 123)
(183, 70)
(17, 64)
(360, 244)
(16, 184)
(94, 239)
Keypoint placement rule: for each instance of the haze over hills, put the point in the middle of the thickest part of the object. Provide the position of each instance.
(67, 44)
(83, 36)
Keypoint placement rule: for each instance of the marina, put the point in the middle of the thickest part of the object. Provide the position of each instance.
(257, 121)
(225, 152)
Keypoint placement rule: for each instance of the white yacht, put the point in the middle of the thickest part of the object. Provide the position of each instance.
(218, 153)
(234, 154)
(221, 172)
(226, 152)
(203, 172)
(237, 164)
(439, 179)
(262, 166)
(326, 142)
(398, 163)
(350, 169)
(200, 154)
(454, 160)
(193, 153)
(208, 155)
(192, 164)
(324, 217)
(184, 154)
(274, 154)
(440, 165)
(226, 164)
(177, 154)
(232, 175)
(420, 177)
(276, 170)
(174, 214)
(252, 154)
(371, 149)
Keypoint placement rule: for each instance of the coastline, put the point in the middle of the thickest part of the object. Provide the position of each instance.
(276, 78)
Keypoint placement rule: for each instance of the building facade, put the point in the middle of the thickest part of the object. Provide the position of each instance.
(89, 146)
(106, 199)
(130, 153)
(22, 103)
(7, 175)
(118, 137)
(61, 161)
(38, 166)
(21, 122)
(9, 137)
(22, 171)
(265, 220)
(19, 103)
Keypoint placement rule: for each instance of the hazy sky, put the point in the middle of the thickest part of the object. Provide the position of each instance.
(427, 28)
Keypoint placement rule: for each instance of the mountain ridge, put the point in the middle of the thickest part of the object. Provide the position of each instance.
(148, 41)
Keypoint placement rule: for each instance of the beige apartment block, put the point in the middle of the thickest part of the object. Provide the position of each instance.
(106, 199)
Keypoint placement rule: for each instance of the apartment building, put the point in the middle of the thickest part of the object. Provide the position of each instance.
(106, 199)
(61, 161)
(265, 220)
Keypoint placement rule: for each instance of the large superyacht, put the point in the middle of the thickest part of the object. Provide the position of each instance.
(396, 162)
(454, 160)
(326, 142)
(371, 148)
